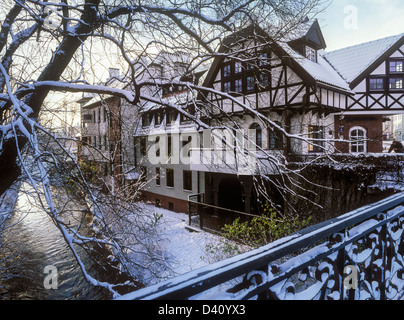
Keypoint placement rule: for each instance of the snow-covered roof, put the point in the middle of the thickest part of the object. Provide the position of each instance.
(321, 71)
(93, 98)
(352, 61)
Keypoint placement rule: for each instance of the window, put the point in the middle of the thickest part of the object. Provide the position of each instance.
(170, 178)
(190, 110)
(311, 54)
(238, 85)
(376, 84)
(187, 180)
(357, 136)
(143, 146)
(396, 83)
(263, 59)
(143, 174)
(264, 79)
(158, 118)
(146, 119)
(227, 86)
(158, 180)
(316, 133)
(240, 77)
(250, 83)
(396, 66)
(256, 135)
(227, 70)
(87, 117)
(238, 67)
(105, 115)
(171, 116)
(157, 144)
(275, 139)
(186, 148)
(169, 144)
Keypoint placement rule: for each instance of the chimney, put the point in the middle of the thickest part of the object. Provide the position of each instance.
(113, 73)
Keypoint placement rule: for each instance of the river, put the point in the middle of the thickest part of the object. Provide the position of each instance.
(30, 244)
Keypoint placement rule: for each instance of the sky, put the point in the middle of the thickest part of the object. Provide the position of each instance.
(349, 22)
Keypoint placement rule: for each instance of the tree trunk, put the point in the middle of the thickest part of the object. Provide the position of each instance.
(9, 168)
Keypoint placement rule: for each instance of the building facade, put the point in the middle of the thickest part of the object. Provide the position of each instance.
(262, 101)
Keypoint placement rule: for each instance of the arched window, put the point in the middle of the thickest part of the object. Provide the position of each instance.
(358, 137)
(256, 135)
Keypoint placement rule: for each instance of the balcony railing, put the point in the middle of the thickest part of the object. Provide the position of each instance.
(357, 256)
(233, 161)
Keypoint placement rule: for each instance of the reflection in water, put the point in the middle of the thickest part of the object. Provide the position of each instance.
(32, 242)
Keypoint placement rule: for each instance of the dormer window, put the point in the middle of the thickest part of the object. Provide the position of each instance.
(311, 54)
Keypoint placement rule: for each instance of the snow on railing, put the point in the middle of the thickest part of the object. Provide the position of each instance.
(353, 257)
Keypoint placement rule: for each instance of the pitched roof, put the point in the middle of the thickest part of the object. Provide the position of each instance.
(309, 31)
(321, 72)
(353, 61)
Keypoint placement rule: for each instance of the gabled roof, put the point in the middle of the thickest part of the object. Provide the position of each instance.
(313, 73)
(354, 63)
(321, 71)
(309, 31)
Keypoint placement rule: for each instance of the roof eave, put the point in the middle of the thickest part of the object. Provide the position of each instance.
(362, 76)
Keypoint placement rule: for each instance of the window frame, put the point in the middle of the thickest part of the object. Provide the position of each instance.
(170, 178)
(158, 176)
(398, 79)
(377, 88)
(358, 142)
(316, 132)
(395, 61)
(187, 180)
(275, 138)
(311, 54)
(258, 135)
(239, 77)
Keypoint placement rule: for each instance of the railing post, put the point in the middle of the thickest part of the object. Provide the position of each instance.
(383, 248)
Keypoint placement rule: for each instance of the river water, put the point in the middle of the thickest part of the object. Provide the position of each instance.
(30, 244)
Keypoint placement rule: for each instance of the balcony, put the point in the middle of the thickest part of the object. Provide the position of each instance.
(229, 161)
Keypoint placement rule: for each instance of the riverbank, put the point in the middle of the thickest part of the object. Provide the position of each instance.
(36, 243)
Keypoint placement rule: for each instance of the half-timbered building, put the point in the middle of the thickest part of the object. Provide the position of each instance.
(264, 99)
(280, 90)
(374, 71)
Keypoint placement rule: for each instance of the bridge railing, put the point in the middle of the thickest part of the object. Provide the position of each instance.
(357, 256)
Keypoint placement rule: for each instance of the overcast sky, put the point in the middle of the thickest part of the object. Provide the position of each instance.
(349, 22)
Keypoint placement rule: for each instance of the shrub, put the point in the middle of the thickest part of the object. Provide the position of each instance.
(264, 229)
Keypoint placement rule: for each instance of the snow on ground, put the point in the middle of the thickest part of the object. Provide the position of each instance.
(190, 250)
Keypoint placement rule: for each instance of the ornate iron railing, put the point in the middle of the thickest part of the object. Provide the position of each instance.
(357, 256)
